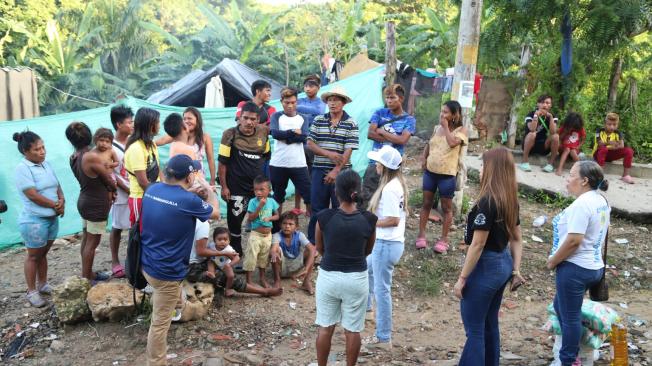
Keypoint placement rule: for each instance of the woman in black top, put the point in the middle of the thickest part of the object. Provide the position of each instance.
(344, 237)
(492, 224)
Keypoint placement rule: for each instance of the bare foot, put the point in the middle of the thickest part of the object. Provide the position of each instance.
(277, 284)
(558, 172)
(265, 284)
(299, 275)
(274, 291)
(434, 217)
(210, 275)
(229, 293)
(307, 287)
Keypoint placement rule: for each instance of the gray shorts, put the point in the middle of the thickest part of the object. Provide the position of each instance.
(342, 298)
(290, 266)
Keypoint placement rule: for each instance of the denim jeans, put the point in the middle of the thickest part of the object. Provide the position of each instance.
(321, 196)
(572, 282)
(480, 304)
(380, 264)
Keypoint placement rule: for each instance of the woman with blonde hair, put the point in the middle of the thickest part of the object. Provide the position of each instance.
(493, 233)
(389, 203)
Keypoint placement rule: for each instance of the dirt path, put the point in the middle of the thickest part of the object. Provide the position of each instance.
(280, 331)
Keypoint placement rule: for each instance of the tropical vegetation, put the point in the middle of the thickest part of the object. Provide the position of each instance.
(99, 49)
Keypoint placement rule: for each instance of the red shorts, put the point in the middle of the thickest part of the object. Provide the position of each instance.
(135, 206)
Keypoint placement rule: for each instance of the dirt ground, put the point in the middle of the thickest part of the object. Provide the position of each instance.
(280, 331)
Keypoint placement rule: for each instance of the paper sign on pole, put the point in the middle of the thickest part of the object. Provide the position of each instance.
(465, 97)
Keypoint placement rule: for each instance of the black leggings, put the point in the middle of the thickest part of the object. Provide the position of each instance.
(236, 209)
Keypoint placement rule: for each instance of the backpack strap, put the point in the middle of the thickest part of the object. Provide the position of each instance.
(118, 146)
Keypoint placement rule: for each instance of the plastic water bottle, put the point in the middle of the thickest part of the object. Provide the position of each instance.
(540, 221)
(619, 352)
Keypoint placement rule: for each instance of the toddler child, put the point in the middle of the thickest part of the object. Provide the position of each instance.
(103, 140)
(225, 258)
(572, 136)
(262, 210)
(609, 145)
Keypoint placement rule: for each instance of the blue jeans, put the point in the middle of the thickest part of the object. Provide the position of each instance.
(321, 196)
(480, 303)
(572, 282)
(380, 264)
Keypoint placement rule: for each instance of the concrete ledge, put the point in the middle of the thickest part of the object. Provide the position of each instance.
(629, 201)
(616, 168)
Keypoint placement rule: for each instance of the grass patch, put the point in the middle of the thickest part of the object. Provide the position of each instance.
(429, 275)
(556, 200)
(466, 204)
(416, 198)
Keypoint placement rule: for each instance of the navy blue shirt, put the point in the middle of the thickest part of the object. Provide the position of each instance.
(168, 216)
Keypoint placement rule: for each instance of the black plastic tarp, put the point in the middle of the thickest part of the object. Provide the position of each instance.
(236, 82)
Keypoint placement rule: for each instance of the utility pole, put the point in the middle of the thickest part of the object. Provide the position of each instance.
(466, 57)
(390, 53)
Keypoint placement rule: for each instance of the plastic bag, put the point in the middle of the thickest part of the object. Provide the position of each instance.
(595, 316)
(587, 354)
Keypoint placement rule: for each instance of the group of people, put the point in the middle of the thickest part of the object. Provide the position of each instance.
(543, 136)
(357, 224)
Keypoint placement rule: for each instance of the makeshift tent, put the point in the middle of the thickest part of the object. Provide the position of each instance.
(236, 83)
(18, 94)
(364, 89)
(357, 64)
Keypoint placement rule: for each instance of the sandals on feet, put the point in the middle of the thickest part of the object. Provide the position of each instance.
(118, 271)
(440, 247)
(421, 243)
(627, 179)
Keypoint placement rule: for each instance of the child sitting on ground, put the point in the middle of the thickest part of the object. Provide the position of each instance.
(292, 254)
(609, 145)
(103, 140)
(216, 255)
(572, 136)
(225, 258)
(262, 210)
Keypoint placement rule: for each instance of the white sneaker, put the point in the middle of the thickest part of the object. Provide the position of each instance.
(376, 344)
(35, 299)
(46, 289)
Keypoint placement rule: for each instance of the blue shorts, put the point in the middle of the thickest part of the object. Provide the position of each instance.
(37, 231)
(442, 182)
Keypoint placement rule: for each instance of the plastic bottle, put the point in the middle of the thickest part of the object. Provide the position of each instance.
(540, 221)
(619, 352)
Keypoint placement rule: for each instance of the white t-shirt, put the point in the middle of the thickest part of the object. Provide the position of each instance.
(201, 232)
(288, 155)
(392, 204)
(588, 215)
(220, 260)
(121, 173)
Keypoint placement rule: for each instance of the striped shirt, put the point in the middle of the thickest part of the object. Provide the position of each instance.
(337, 139)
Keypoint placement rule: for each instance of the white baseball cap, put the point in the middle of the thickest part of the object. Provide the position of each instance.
(387, 156)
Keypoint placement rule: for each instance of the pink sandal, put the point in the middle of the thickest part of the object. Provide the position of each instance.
(118, 271)
(421, 243)
(627, 179)
(440, 247)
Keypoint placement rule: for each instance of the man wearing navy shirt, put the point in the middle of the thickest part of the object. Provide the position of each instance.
(169, 214)
(388, 126)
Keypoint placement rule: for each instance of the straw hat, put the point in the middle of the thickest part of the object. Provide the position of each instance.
(337, 91)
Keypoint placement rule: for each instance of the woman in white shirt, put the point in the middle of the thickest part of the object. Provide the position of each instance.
(389, 203)
(578, 237)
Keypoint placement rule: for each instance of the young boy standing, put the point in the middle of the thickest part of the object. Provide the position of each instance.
(609, 145)
(292, 254)
(123, 124)
(262, 210)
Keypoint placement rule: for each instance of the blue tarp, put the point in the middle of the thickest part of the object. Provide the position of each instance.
(365, 89)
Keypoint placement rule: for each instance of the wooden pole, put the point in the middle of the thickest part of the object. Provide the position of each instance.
(526, 53)
(390, 53)
(466, 57)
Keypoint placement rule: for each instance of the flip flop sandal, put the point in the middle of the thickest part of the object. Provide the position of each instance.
(118, 271)
(440, 247)
(421, 243)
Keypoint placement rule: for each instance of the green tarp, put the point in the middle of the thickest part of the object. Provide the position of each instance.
(364, 89)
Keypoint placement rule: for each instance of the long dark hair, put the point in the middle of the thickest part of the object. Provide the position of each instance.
(456, 110)
(199, 127)
(144, 122)
(572, 122)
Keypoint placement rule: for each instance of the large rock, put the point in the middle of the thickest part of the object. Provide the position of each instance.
(112, 301)
(70, 300)
(199, 299)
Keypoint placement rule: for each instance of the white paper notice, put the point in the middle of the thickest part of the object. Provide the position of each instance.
(465, 98)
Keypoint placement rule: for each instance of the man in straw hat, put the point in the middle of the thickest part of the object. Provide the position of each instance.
(333, 137)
